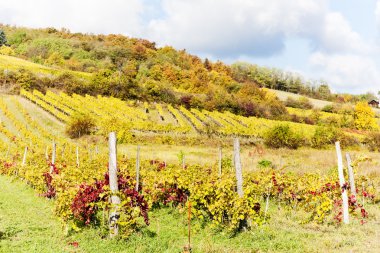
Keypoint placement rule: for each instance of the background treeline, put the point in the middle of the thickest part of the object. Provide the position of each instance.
(277, 79)
(130, 68)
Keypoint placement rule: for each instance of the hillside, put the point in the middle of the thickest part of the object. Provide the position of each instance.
(130, 68)
(284, 95)
(137, 118)
(11, 63)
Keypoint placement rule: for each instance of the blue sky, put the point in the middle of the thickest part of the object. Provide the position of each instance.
(332, 40)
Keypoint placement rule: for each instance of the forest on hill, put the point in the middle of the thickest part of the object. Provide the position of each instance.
(130, 68)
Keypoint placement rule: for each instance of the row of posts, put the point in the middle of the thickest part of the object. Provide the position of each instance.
(54, 154)
(115, 200)
(342, 182)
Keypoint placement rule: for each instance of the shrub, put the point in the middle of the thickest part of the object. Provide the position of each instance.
(364, 117)
(4, 50)
(79, 125)
(186, 100)
(90, 199)
(309, 120)
(265, 164)
(324, 136)
(3, 38)
(328, 108)
(26, 79)
(315, 116)
(339, 108)
(327, 135)
(295, 118)
(282, 136)
(332, 121)
(346, 121)
(277, 109)
(348, 140)
(300, 119)
(302, 103)
(71, 83)
(373, 141)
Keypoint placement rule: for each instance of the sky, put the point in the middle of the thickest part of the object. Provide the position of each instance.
(337, 41)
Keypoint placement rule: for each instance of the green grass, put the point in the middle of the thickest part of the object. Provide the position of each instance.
(303, 160)
(49, 122)
(27, 224)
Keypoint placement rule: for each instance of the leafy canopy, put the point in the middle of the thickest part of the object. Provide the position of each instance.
(3, 38)
(364, 117)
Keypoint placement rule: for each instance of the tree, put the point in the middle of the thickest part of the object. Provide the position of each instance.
(207, 64)
(324, 91)
(3, 38)
(79, 125)
(364, 117)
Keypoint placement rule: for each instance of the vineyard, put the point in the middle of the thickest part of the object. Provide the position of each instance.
(161, 118)
(75, 175)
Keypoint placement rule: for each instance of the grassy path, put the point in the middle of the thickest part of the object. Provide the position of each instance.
(27, 223)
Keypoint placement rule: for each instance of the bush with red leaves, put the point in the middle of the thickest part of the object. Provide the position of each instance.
(81, 205)
(50, 192)
(174, 195)
(84, 205)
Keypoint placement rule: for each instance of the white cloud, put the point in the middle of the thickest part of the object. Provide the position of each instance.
(377, 13)
(228, 29)
(219, 28)
(96, 16)
(337, 35)
(235, 27)
(349, 72)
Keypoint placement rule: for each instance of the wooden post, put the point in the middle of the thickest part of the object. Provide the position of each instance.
(89, 154)
(342, 183)
(47, 153)
(351, 175)
(363, 197)
(266, 208)
(238, 170)
(220, 161)
(115, 200)
(189, 227)
(54, 147)
(9, 147)
(137, 168)
(77, 153)
(24, 158)
(63, 150)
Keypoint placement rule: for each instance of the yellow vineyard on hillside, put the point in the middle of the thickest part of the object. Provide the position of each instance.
(112, 114)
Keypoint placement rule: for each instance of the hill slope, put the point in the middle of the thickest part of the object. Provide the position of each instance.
(130, 68)
(11, 63)
(284, 95)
